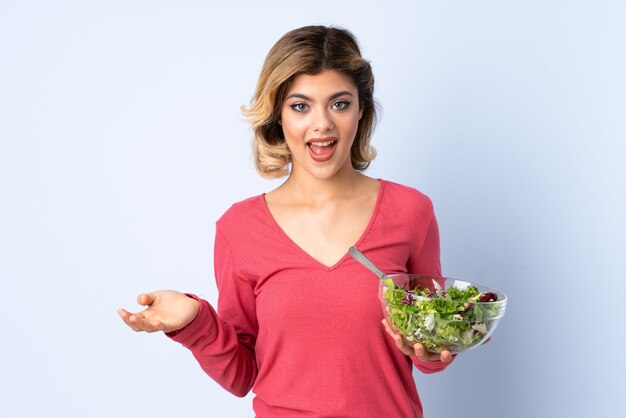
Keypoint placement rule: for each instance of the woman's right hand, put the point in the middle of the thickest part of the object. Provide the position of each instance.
(167, 311)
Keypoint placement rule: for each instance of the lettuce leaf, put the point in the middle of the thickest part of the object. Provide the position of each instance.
(454, 319)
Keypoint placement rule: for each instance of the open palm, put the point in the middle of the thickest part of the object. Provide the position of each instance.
(167, 311)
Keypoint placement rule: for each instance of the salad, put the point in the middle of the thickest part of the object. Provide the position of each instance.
(454, 319)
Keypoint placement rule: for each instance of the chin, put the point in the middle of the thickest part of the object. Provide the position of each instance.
(327, 173)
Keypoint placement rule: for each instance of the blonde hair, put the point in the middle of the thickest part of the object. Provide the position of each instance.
(307, 50)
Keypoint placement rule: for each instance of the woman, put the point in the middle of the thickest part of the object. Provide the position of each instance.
(298, 320)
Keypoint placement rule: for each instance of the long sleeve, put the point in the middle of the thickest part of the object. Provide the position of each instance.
(281, 314)
(427, 261)
(223, 342)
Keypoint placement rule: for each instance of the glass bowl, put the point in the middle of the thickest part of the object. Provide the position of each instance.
(440, 312)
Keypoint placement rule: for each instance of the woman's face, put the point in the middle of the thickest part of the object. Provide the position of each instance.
(320, 116)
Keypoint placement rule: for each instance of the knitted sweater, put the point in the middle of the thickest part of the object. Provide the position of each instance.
(306, 338)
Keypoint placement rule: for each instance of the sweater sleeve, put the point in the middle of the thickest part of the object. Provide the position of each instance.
(425, 260)
(223, 342)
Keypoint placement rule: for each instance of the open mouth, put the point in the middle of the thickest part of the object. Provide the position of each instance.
(319, 147)
(321, 150)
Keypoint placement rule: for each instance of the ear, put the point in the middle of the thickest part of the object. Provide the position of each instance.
(360, 113)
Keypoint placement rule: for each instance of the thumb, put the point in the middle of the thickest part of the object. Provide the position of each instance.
(146, 299)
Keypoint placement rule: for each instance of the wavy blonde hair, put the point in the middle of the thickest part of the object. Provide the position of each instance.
(307, 50)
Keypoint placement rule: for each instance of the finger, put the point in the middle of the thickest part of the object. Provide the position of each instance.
(125, 315)
(486, 341)
(391, 326)
(384, 322)
(146, 324)
(390, 331)
(138, 322)
(420, 352)
(146, 299)
(397, 339)
(445, 356)
(424, 355)
(401, 345)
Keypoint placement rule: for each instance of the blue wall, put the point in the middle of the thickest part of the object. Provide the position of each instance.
(121, 143)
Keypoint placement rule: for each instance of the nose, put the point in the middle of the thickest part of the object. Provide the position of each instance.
(322, 120)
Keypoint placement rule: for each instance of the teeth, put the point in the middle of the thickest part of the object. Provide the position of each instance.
(321, 144)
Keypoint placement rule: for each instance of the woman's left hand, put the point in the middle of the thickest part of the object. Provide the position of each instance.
(418, 349)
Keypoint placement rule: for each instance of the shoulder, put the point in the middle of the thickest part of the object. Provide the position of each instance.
(406, 198)
(406, 214)
(241, 213)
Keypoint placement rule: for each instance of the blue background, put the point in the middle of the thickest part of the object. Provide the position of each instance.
(121, 143)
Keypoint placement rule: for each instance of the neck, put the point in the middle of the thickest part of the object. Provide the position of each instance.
(315, 191)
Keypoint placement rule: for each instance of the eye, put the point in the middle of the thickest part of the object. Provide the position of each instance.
(299, 107)
(341, 105)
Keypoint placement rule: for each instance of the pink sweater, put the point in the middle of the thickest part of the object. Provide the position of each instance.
(306, 338)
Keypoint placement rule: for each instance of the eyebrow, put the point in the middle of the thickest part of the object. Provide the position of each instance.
(332, 96)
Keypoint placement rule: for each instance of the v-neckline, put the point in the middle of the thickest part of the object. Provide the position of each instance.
(308, 256)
